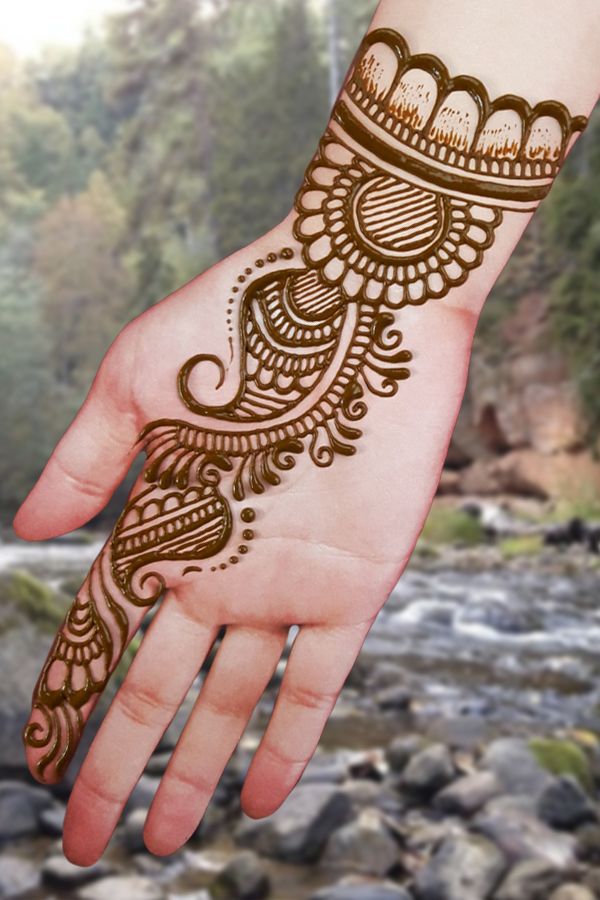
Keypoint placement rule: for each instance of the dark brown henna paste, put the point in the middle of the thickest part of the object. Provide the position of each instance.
(400, 204)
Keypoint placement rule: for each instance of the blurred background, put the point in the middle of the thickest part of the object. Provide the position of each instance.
(141, 141)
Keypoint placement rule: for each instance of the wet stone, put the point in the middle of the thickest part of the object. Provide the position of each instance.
(59, 872)
(565, 804)
(17, 876)
(523, 836)
(400, 751)
(361, 889)
(515, 766)
(121, 887)
(468, 794)
(364, 846)
(465, 868)
(20, 808)
(428, 771)
(243, 878)
(299, 830)
(572, 892)
(532, 879)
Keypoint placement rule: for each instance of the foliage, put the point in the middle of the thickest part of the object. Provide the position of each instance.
(452, 526)
(525, 545)
(562, 757)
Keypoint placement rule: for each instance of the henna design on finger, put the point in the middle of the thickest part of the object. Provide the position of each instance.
(401, 203)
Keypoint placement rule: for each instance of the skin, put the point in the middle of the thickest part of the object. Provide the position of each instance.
(331, 543)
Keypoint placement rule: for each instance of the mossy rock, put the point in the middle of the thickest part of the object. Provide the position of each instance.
(452, 526)
(563, 757)
(30, 598)
(525, 545)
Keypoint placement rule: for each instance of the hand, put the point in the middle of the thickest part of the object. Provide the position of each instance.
(290, 463)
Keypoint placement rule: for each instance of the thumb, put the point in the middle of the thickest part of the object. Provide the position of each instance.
(91, 459)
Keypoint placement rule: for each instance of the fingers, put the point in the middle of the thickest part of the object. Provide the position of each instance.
(166, 665)
(88, 463)
(86, 651)
(319, 664)
(240, 673)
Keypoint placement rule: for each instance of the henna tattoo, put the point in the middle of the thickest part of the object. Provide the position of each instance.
(400, 204)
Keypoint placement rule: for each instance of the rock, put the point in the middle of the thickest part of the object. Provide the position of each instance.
(157, 764)
(395, 697)
(18, 875)
(364, 846)
(20, 807)
(564, 804)
(464, 868)
(467, 795)
(59, 872)
(325, 768)
(299, 829)
(572, 892)
(515, 766)
(533, 473)
(532, 879)
(382, 796)
(522, 836)
(131, 832)
(143, 793)
(588, 843)
(591, 879)
(399, 752)
(51, 820)
(428, 771)
(362, 889)
(386, 674)
(121, 887)
(243, 878)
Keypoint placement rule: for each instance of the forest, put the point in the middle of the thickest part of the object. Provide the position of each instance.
(175, 135)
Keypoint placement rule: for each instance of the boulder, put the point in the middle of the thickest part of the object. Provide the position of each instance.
(20, 808)
(522, 836)
(121, 887)
(299, 830)
(362, 889)
(565, 804)
(243, 878)
(428, 771)
(18, 875)
(515, 766)
(464, 868)
(364, 846)
(561, 475)
(399, 752)
(468, 794)
(532, 879)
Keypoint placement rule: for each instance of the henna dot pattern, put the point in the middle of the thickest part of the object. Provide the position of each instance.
(401, 203)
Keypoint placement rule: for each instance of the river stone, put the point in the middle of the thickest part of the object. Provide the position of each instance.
(532, 879)
(121, 887)
(131, 832)
(20, 808)
(354, 888)
(143, 793)
(468, 794)
(522, 836)
(59, 872)
(52, 820)
(399, 752)
(565, 804)
(464, 868)
(364, 846)
(325, 768)
(588, 843)
(572, 892)
(428, 771)
(18, 875)
(243, 878)
(299, 829)
(395, 697)
(515, 766)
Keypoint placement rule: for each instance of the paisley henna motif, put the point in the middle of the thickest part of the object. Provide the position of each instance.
(400, 204)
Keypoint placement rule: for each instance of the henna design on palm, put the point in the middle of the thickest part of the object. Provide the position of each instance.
(400, 204)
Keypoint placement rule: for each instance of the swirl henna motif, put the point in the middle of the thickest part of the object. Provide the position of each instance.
(400, 204)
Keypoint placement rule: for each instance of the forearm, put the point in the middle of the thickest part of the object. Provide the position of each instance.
(461, 109)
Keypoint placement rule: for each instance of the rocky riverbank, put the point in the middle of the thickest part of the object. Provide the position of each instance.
(514, 819)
